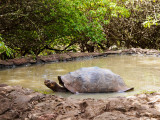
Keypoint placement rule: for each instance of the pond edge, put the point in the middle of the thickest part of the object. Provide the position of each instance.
(70, 56)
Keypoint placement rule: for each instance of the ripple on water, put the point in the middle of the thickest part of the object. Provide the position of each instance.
(60, 70)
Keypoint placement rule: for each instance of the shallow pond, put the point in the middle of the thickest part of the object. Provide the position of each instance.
(140, 72)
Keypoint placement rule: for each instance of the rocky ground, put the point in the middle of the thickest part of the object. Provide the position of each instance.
(11, 63)
(17, 103)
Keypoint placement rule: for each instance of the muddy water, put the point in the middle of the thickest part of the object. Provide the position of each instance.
(140, 72)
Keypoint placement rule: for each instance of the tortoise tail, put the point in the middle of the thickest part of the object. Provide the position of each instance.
(129, 89)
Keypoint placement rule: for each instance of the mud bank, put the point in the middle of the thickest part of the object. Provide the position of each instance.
(17, 103)
(11, 63)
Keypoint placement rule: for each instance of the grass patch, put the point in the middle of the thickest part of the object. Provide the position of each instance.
(147, 92)
(44, 91)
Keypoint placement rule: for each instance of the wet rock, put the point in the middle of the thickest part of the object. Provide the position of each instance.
(24, 104)
(114, 116)
(21, 61)
(5, 105)
(6, 62)
(50, 58)
(64, 56)
(6, 89)
(3, 85)
(83, 106)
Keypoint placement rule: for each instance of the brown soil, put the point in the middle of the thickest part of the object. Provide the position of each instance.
(17, 103)
(70, 56)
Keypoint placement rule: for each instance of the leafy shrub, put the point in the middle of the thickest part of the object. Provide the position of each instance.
(141, 29)
(5, 52)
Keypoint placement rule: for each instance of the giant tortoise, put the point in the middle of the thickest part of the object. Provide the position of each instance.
(89, 80)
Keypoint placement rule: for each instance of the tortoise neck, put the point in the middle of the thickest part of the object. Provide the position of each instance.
(60, 89)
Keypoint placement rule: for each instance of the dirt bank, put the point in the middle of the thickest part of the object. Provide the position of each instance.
(11, 63)
(17, 103)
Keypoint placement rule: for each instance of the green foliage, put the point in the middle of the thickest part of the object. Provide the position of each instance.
(23, 25)
(4, 48)
(83, 20)
(141, 29)
(150, 21)
(33, 26)
(153, 18)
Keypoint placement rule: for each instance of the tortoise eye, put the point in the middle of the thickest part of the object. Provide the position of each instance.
(52, 85)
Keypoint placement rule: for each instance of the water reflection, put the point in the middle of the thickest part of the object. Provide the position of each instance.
(140, 72)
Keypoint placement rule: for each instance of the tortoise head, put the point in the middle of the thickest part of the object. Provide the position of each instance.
(54, 86)
(50, 84)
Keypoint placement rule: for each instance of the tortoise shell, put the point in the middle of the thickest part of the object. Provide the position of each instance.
(93, 80)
